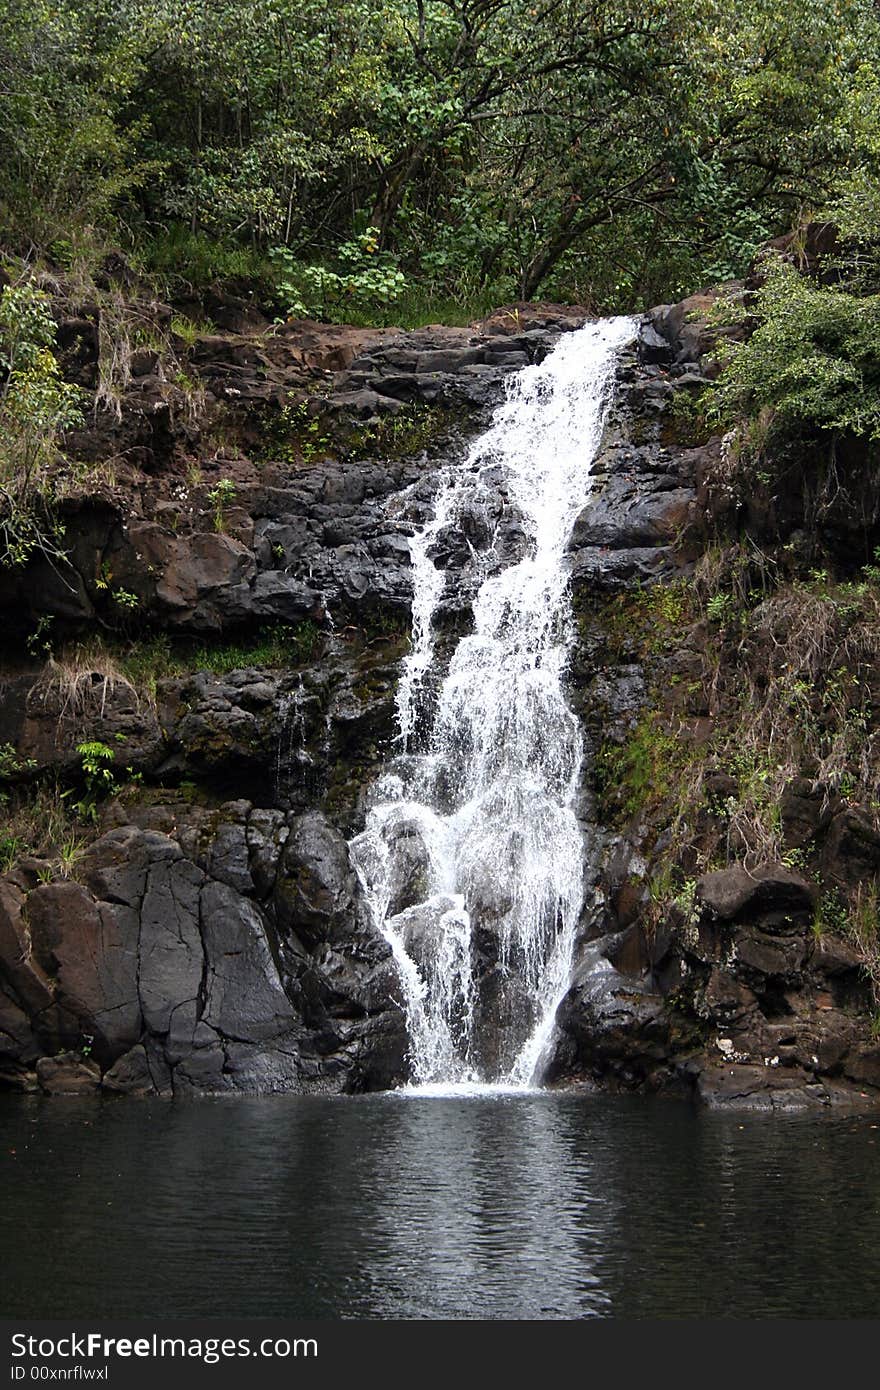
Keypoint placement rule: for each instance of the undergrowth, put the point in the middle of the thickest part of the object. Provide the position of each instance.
(785, 701)
(278, 645)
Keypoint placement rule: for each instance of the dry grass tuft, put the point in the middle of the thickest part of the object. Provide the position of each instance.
(81, 680)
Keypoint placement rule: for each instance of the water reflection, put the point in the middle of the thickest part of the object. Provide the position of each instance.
(544, 1206)
(504, 1200)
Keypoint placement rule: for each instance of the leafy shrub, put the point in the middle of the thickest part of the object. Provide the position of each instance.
(222, 498)
(12, 765)
(97, 762)
(97, 765)
(811, 365)
(36, 407)
(367, 278)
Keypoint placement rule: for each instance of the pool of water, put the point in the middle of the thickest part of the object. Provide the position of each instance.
(517, 1205)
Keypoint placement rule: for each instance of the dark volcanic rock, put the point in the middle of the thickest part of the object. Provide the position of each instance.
(166, 963)
(215, 937)
(315, 885)
(92, 957)
(68, 1075)
(763, 1089)
(317, 521)
(613, 1029)
(851, 853)
(131, 1074)
(633, 529)
(686, 328)
(730, 893)
(244, 996)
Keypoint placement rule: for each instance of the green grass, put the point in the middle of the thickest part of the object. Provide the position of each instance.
(420, 305)
(277, 645)
(643, 771)
(177, 256)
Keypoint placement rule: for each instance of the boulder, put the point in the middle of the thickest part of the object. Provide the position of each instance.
(628, 516)
(863, 1064)
(316, 884)
(851, 851)
(736, 892)
(686, 326)
(130, 1075)
(91, 950)
(763, 1088)
(835, 958)
(68, 1075)
(244, 996)
(612, 1029)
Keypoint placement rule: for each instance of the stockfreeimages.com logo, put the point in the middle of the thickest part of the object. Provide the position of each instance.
(95, 1346)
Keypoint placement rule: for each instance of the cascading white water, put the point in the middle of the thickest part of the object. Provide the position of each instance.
(472, 856)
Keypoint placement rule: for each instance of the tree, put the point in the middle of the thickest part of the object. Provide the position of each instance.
(609, 148)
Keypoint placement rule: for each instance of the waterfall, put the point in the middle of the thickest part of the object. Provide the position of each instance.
(472, 855)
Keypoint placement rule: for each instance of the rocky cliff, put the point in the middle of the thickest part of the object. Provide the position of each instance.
(179, 911)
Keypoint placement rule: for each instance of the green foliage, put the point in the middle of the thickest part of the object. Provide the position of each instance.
(641, 771)
(11, 765)
(811, 365)
(612, 152)
(145, 663)
(73, 149)
(96, 760)
(855, 916)
(662, 609)
(125, 598)
(720, 608)
(831, 913)
(39, 820)
(39, 642)
(97, 766)
(410, 430)
(122, 597)
(685, 423)
(293, 435)
(180, 258)
(646, 621)
(277, 645)
(36, 407)
(101, 777)
(222, 498)
(367, 278)
(11, 847)
(872, 572)
(187, 329)
(378, 623)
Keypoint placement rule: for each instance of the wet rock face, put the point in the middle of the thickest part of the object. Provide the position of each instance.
(732, 997)
(214, 936)
(316, 887)
(327, 428)
(229, 957)
(209, 943)
(738, 1003)
(642, 522)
